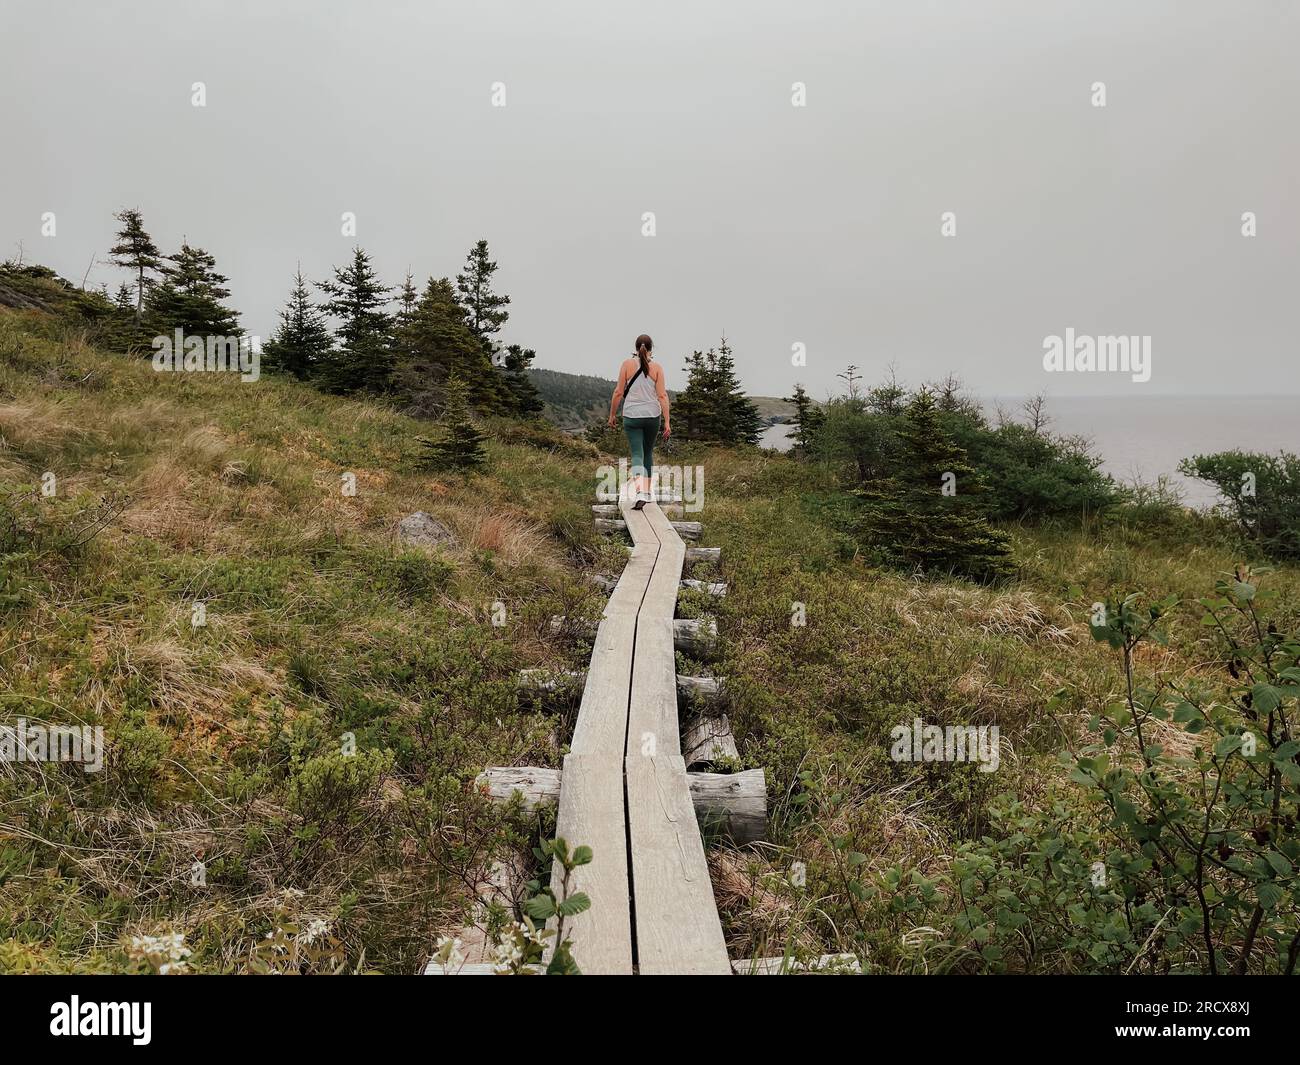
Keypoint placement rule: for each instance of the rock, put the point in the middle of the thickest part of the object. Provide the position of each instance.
(423, 530)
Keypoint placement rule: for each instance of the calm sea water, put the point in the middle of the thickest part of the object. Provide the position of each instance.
(1146, 436)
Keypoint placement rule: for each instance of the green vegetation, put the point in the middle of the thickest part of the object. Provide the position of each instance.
(1262, 493)
(309, 739)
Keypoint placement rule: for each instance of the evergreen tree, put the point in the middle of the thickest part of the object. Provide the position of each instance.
(439, 344)
(123, 301)
(363, 359)
(928, 512)
(484, 308)
(457, 443)
(808, 420)
(190, 295)
(526, 401)
(136, 251)
(712, 405)
(302, 341)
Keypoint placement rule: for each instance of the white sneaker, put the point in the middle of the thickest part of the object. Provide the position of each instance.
(642, 498)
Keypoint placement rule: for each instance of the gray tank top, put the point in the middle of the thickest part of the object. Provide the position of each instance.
(642, 399)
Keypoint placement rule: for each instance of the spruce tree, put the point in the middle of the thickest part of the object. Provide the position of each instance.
(485, 310)
(189, 297)
(437, 344)
(363, 359)
(712, 406)
(136, 251)
(123, 301)
(457, 444)
(302, 341)
(929, 512)
(526, 401)
(808, 419)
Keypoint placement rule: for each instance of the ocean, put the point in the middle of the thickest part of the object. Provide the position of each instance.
(1146, 436)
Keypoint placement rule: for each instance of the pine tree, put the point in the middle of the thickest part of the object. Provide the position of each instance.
(189, 297)
(135, 250)
(929, 513)
(302, 341)
(457, 443)
(808, 419)
(712, 406)
(123, 301)
(363, 359)
(484, 308)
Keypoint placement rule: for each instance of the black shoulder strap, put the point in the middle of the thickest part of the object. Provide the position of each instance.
(632, 380)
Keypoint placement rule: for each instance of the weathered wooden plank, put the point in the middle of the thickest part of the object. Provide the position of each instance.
(652, 719)
(733, 805)
(687, 530)
(592, 813)
(602, 715)
(677, 925)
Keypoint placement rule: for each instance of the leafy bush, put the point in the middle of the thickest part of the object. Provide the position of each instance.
(1184, 858)
(1261, 493)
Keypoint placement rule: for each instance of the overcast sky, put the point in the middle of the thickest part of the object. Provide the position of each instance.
(817, 225)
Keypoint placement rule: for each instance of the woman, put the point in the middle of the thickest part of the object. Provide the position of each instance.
(647, 402)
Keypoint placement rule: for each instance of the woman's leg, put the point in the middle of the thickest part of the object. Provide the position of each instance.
(635, 450)
(651, 429)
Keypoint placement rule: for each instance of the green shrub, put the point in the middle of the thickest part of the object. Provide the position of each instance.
(1260, 492)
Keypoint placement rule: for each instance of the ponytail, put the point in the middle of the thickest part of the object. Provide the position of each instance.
(644, 345)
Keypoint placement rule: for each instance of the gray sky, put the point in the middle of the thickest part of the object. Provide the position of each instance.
(818, 225)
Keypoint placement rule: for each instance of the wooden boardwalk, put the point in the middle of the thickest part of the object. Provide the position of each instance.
(624, 789)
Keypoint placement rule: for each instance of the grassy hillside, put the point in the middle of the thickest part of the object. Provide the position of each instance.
(226, 741)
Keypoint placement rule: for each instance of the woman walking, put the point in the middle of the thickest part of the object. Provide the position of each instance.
(642, 381)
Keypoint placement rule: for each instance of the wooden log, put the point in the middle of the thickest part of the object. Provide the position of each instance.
(698, 689)
(707, 740)
(733, 805)
(609, 510)
(703, 554)
(691, 636)
(552, 680)
(687, 530)
(828, 963)
(714, 588)
(726, 804)
(605, 584)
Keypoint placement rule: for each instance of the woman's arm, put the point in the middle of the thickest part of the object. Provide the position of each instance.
(618, 393)
(662, 388)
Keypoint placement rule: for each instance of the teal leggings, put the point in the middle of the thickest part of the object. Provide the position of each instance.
(641, 433)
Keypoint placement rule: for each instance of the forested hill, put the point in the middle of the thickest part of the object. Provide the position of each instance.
(575, 400)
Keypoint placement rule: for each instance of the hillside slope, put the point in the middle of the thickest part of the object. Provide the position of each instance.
(232, 807)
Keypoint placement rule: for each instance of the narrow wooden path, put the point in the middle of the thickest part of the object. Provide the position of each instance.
(624, 790)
